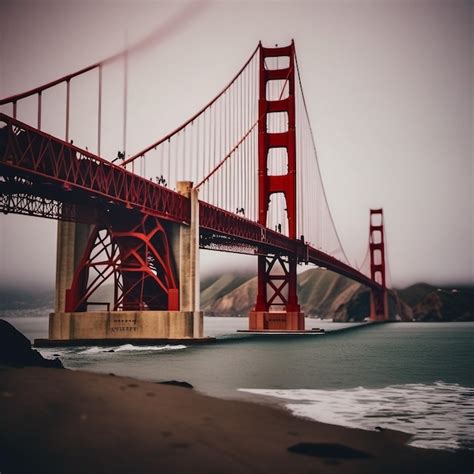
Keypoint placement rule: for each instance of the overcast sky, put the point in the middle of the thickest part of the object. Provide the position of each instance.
(389, 91)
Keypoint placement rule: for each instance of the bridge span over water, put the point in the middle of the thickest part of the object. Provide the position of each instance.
(241, 175)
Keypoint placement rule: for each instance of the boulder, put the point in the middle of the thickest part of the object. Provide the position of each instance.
(177, 383)
(16, 351)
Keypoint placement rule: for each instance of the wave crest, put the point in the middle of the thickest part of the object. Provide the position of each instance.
(132, 348)
(439, 415)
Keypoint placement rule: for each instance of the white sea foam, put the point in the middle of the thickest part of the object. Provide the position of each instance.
(168, 347)
(439, 415)
(132, 348)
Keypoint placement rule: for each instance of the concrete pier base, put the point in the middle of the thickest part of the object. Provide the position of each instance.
(72, 240)
(127, 325)
(276, 320)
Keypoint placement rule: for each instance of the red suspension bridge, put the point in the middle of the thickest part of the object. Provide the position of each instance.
(241, 175)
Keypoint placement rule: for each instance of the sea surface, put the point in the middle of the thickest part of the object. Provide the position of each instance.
(412, 377)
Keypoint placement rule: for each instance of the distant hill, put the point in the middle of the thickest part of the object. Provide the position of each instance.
(444, 304)
(21, 298)
(215, 291)
(413, 294)
(230, 294)
(328, 295)
(321, 293)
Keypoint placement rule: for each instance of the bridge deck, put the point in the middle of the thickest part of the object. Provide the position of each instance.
(41, 171)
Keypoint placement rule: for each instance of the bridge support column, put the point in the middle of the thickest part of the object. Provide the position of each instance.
(72, 238)
(189, 288)
(378, 305)
(277, 287)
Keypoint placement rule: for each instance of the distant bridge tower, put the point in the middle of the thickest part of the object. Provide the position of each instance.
(277, 284)
(378, 297)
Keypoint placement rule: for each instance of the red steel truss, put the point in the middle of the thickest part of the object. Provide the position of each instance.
(136, 256)
(52, 162)
(44, 176)
(36, 182)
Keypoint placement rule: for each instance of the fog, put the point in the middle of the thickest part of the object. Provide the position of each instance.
(388, 86)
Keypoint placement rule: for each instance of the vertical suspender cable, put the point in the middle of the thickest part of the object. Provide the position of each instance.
(170, 176)
(68, 102)
(183, 163)
(197, 152)
(125, 97)
(213, 141)
(39, 110)
(99, 111)
(229, 146)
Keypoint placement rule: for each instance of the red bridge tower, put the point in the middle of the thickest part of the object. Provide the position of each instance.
(277, 285)
(378, 297)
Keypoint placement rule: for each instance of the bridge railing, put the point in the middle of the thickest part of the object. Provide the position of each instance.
(44, 158)
(325, 260)
(228, 223)
(266, 240)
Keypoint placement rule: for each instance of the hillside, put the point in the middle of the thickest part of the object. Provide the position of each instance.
(330, 296)
(445, 304)
(215, 291)
(321, 293)
(20, 298)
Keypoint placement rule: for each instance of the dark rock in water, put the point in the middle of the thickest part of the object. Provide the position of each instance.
(177, 383)
(15, 349)
(378, 428)
(110, 350)
(328, 450)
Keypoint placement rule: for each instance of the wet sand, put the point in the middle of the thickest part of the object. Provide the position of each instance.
(64, 421)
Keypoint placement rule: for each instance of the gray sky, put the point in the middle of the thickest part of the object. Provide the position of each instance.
(388, 86)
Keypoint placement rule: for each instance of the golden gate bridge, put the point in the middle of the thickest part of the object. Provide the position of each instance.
(241, 175)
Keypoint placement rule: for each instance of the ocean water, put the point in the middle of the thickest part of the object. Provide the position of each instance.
(412, 377)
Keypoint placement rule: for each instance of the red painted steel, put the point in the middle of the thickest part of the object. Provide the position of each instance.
(274, 269)
(228, 223)
(45, 176)
(136, 255)
(28, 205)
(379, 297)
(43, 171)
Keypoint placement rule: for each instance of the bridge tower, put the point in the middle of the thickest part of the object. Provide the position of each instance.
(277, 284)
(378, 298)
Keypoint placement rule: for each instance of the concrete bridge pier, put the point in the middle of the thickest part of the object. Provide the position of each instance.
(189, 285)
(379, 305)
(72, 240)
(185, 322)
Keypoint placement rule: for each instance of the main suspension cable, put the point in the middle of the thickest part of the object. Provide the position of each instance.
(316, 157)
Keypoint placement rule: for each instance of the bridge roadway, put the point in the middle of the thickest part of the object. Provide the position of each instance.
(43, 175)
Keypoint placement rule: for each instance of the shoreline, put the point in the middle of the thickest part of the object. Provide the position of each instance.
(59, 421)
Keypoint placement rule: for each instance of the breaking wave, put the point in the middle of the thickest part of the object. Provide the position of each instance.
(132, 348)
(438, 415)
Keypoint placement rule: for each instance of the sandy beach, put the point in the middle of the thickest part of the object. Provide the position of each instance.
(64, 421)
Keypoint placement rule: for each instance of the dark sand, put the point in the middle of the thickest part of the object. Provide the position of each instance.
(63, 421)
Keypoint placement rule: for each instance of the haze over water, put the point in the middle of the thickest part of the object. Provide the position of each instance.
(412, 377)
